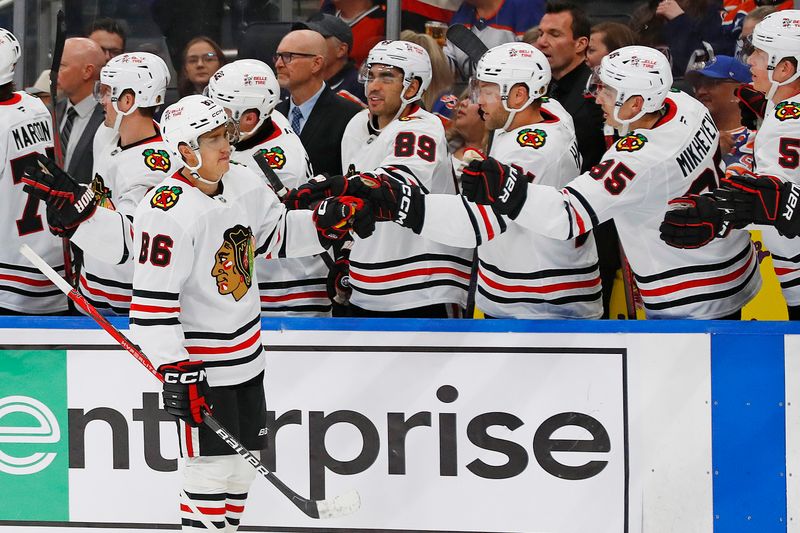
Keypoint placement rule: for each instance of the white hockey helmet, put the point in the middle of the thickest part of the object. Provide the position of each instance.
(145, 74)
(636, 71)
(411, 58)
(778, 34)
(512, 63)
(10, 52)
(245, 84)
(187, 119)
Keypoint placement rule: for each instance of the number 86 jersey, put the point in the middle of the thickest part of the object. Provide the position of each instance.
(633, 184)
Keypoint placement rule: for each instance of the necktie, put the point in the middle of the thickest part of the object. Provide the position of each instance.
(67, 128)
(297, 115)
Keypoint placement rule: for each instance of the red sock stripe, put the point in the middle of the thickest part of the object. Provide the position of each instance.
(204, 510)
(234, 508)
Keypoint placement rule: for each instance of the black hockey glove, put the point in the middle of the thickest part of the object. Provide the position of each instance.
(491, 182)
(68, 202)
(752, 105)
(335, 217)
(765, 199)
(394, 200)
(693, 221)
(185, 390)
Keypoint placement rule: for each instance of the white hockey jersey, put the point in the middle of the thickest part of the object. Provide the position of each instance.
(777, 152)
(395, 269)
(287, 286)
(25, 129)
(122, 175)
(521, 273)
(194, 285)
(632, 184)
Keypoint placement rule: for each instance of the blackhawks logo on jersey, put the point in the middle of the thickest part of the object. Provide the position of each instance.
(233, 262)
(631, 142)
(530, 137)
(102, 193)
(276, 157)
(166, 197)
(156, 160)
(787, 110)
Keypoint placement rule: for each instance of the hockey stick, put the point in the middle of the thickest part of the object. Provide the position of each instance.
(58, 52)
(341, 505)
(469, 43)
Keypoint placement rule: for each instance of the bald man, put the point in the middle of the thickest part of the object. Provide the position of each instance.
(315, 112)
(78, 112)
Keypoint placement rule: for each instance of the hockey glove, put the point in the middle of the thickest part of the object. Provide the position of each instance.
(492, 182)
(752, 105)
(317, 189)
(68, 202)
(185, 390)
(755, 199)
(338, 282)
(394, 200)
(335, 217)
(692, 221)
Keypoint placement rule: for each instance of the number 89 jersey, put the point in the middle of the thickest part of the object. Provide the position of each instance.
(26, 130)
(395, 269)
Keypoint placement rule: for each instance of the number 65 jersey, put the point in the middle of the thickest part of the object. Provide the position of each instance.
(25, 130)
(632, 184)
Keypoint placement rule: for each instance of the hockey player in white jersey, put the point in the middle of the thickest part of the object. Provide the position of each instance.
(522, 274)
(668, 147)
(195, 308)
(25, 130)
(249, 92)
(774, 66)
(394, 272)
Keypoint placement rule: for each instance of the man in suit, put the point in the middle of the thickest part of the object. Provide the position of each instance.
(315, 112)
(79, 114)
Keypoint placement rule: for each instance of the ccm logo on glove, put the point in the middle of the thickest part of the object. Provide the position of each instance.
(186, 378)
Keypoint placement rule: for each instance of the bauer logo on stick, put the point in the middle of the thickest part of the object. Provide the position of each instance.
(156, 160)
(166, 197)
(631, 143)
(532, 138)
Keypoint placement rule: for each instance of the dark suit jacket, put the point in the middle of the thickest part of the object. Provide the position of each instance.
(80, 166)
(323, 130)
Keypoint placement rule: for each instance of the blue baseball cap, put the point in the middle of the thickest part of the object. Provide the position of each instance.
(725, 68)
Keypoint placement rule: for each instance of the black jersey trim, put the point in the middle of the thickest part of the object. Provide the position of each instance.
(222, 336)
(791, 283)
(108, 282)
(298, 308)
(31, 294)
(155, 295)
(573, 298)
(155, 321)
(410, 288)
(719, 295)
(586, 206)
(105, 305)
(238, 361)
(550, 273)
(794, 259)
(473, 221)
(206, 497)
(692, 269)
(269, 285)
(33, 270)
(409, 260)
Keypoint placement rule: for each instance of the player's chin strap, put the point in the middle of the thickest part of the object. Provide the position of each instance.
(403, 104)
(773, 87)
(121, 114)
(193, 169)
(513, 112)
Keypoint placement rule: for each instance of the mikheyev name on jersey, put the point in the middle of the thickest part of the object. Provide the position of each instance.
(703, 140)
(32, 133)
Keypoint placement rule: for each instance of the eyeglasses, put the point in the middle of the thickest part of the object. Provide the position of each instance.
(288, 56)
(208, 57)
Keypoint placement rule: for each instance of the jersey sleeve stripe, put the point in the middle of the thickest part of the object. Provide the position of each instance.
(27, 281)
(154, 309)
(110, 282)
(694, 269)
(104, 294)
(485, 217)
(473, 221)
(155, 321)
(702, 297)
(294, 296)
(412, 287)
(241, 361)
(553, 272)
(408, 274)
(698, 282)
(155, 295)
(421, 257)
(543, 289)
(269, 285)
(585, 204)
(223, 336)
(580, 297)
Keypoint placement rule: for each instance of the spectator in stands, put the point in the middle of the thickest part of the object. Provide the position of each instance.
(564, 39)
(340, 73)
(41, 88)
(714, 86)
(79, 112)
(110, 35)
(202, 57)
(750, 20)
(367, 20)
(688, 23)
(466, 131)
(438, 97)
(315, 113)
(605, 38)
(532, 35)
(495, 22)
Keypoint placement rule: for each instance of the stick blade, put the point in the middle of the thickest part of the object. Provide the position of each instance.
(341, 505)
